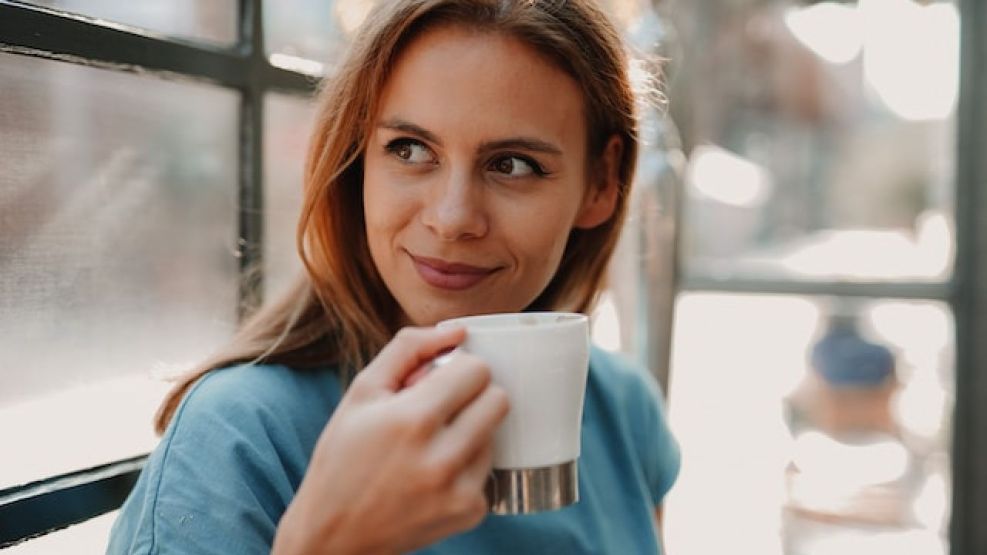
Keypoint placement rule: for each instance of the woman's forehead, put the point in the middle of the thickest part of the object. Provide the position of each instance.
(452, 79)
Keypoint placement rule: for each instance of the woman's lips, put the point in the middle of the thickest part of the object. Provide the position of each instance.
(449, 275)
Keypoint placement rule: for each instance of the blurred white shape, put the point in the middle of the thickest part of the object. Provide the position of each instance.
(832, 31)
(861, 254)
(911, 56)
(79, 427)
(932, 503)
(909, 542)
(921, 405)
(297, 63)
(919, 331)
(842, 466)
(734, 358)
(934, 241)
(723, 176)
(921, 334)
(606, 323)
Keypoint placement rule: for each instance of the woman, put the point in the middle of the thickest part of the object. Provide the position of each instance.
(471, 156)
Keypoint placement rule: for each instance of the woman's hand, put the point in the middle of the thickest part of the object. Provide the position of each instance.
(398, 468)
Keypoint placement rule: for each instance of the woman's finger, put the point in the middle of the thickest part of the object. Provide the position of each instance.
(473, 427)
(415, 376)
(408, 351)
(476, 473)
(446, 389)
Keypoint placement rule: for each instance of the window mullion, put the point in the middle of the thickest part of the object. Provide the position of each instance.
(251, 198)
(968, 535)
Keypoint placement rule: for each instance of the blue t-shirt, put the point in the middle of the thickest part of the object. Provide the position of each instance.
(238, 446)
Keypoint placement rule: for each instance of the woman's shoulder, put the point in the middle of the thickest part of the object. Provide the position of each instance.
(632, 393)
(266, 383)
(275, 394)
(620, 376)
(243, 435)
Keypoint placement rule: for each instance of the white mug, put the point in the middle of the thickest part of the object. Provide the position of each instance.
(541, 360)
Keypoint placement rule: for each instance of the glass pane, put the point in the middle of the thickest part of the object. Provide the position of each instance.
(287, 125)
(117, 237)
(213, 21)
(811, 425)
(821, 138)
(304, 35)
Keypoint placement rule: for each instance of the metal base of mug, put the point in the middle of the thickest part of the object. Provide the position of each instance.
(514, 491)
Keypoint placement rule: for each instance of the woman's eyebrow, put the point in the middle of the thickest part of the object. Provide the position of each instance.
(523, 143)
(397, 124)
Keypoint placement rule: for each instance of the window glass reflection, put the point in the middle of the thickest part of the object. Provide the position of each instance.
(288, 123)
(811, 425)
(117, 255)
(821, 138)
(213, 21)
(309, 35)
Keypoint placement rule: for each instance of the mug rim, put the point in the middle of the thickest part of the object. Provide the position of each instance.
(501, 321)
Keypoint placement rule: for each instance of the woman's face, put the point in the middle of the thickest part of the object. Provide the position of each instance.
(474, 175)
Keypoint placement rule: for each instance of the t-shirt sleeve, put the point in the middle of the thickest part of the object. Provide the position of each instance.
(214, 485)
(658, 448)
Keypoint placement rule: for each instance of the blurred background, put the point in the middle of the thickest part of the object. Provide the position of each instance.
(785, 272)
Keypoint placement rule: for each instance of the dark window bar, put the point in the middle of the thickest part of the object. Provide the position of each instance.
(250, 243)
(968, 532)
(894, 290)
(47, 33)
(41, 507)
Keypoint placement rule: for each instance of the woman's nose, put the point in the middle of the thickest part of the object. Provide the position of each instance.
(455, 208)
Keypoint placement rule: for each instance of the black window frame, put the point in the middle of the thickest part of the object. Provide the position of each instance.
(34, 509)
(54, 503)
(968, 534)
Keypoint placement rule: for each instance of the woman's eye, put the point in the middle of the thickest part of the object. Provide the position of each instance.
(514, 166)
(410, 151)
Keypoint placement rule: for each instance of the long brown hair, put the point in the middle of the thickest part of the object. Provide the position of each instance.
(340, 311)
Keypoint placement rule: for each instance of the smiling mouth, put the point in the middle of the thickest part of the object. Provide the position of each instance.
(450, 275)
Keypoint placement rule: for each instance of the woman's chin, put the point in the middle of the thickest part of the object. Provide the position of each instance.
(432, 317)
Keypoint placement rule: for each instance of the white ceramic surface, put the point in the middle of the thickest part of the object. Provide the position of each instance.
(541, 360)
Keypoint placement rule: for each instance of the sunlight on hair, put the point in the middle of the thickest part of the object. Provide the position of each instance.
(645, 79)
